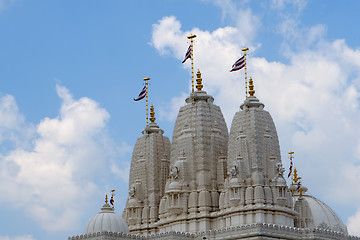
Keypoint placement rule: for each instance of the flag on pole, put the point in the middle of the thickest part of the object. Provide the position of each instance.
(290, 168)
(142, 94)
(112, 201)
(187, 54)
(239, 64)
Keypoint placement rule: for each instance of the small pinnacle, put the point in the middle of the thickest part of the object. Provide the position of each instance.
(251, 87)
(152, 114)
(199, 86)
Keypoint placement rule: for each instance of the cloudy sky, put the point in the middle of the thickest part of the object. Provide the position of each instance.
(69, 71)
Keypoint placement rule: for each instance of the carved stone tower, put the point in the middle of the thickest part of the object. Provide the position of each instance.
(197, 165)
(255, 189)
(149, 171)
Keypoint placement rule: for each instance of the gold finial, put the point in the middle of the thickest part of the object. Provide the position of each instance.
(300, 191)
(291, 153)
(106, 199)
(152, 114)
(295, 177)
(199, 86)
(251, 87)
(191, 36)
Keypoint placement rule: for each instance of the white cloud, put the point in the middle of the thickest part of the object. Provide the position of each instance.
(170, 112)
(25, 237)
(314, 98)
(242, 17)
(354, 223)
(12, 123)
(219, 47)
(68, 162)
(123, 172)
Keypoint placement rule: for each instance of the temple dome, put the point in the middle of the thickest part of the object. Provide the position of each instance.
(314, 213)
(106, 220)
(321, 215)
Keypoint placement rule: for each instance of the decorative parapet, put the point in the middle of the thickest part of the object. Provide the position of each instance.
(239, 232)
(172, 235)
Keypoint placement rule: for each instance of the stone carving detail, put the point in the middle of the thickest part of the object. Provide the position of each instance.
(233, 170)
(323, 226)
(174, 172)
(132, 191)
(280, 169)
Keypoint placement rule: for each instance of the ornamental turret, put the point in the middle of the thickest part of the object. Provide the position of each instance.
(197, 163)
(149, 171)
(255, 185)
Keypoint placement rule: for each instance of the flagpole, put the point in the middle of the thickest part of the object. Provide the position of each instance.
(147, 101)
(192, 60)
(291, 153)
(112, 197)
(246, 87)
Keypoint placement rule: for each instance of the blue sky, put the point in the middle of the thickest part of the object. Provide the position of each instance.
(70, 70)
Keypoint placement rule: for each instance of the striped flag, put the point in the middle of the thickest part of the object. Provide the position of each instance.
(187, 54)
(112, 201)
(142, 94)
(290, 168)
(239, 64)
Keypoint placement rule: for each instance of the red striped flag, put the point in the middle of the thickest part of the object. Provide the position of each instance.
(239, 64)
(142, 94)
(187, 54)
(290, 168)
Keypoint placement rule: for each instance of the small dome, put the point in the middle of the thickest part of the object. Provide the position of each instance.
(106, 220)
(234, 182)
(280, 182)
(322, 215)
(133, 203)
(174, 187)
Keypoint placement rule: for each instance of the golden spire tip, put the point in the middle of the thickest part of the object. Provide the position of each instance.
(199, 85)
(106, 199)
(191, 36)
(251, 87)
(152, 114)
(245, 49)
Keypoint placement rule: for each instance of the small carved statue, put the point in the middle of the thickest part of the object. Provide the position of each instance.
(174, 172)
(132, 191)
(233, 170)
(280, 169)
